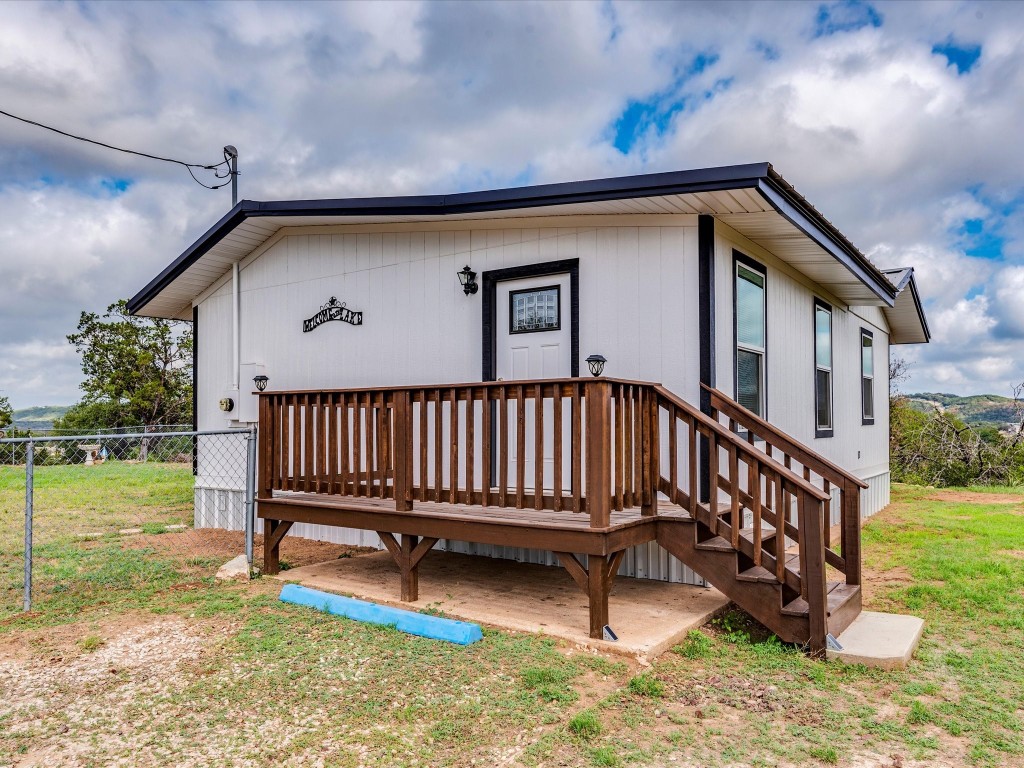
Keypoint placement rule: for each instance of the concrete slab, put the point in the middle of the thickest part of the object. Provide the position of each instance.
(648, 616)
(880, 640)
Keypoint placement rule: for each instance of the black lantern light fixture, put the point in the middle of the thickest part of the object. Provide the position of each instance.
(468, 279)
(260, 382)
(596, 364)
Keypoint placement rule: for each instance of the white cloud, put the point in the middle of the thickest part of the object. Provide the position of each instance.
(339, 99)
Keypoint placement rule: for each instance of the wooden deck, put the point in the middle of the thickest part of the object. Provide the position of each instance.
(625, 463)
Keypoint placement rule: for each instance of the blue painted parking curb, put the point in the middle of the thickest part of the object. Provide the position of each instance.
(421, 624)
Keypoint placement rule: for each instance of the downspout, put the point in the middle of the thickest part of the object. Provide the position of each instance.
(236, 335)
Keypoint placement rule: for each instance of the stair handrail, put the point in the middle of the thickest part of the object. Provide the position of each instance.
(751, 421)
(742, 446)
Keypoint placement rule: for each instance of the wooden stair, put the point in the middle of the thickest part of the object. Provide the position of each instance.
(756, 589)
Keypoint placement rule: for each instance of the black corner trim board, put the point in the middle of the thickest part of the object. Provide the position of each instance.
(757, 176)
(195, 387)
(706, 331)
(490, 280)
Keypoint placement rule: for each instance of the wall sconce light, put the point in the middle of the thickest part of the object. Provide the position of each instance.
(227, 404)
(260, 382)
(468, 279)
(596, 364)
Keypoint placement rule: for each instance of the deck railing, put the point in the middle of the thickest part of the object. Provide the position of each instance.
(815, 469)
(580, 445)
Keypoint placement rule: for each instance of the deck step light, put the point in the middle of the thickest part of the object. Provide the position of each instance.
(468, 279)
(596, 363)
(260, 382)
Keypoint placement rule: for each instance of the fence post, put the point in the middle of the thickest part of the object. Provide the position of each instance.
(250, 493)
(29, 493)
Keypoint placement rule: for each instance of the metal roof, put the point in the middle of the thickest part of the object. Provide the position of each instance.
(752, 199)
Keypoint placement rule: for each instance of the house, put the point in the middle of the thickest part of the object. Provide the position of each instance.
(426, 366)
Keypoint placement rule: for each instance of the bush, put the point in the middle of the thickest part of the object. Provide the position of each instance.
(646, 685)
(585, 724)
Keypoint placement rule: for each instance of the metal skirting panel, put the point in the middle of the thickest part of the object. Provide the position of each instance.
(875, 497)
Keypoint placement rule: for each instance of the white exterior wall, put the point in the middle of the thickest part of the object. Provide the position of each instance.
(789, 365)
(638, 308)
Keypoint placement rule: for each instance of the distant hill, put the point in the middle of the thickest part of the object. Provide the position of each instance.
(40, 417)
(979, 410)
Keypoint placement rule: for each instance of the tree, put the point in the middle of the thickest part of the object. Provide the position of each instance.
(6, 414)
(138, 371)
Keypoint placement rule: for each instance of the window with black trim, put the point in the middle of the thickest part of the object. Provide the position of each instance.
(822, 369)
(751, 333)
(535, 309)
(867, 376)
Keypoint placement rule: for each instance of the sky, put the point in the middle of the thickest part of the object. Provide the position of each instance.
(901, 122)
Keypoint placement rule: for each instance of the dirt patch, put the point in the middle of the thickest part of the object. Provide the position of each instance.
(220, 545)
(976, 497)
(875, 582)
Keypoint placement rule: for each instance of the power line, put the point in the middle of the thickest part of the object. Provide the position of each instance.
(189, 166)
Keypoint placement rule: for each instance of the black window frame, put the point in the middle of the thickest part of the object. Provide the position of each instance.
(865, 420)
(820, 431)
(762, 270)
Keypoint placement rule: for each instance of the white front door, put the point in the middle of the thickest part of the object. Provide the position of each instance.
(534, 341)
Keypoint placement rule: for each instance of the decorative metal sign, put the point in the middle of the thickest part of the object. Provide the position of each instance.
(332, 310)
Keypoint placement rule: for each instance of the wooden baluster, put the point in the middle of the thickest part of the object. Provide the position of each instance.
(636, 445)
(781, 518)
(626, 453)
(357, 446)
(654, 409)
(330, 440)
(371, 449)
(694, 483)
(754, 490)
(322, 478)
(424, 468)
(520, 446)
(556, 448)
(538, 446)
(308, 431)
(438, 453)
(577, 449)
(453, 448)
(470, 446)
(488, 438)
(503, 445)
(734, 498)
(599, 455)
(827, 523)
(343, 449)
(617, 448)
(673, 454)
(713, 477)
(290, 459)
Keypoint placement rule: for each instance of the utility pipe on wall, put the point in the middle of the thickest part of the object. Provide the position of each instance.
(236, 335)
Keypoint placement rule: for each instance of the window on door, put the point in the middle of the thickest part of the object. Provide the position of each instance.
(750, 336)
(867, 376)
(536, 309)
(822, 369)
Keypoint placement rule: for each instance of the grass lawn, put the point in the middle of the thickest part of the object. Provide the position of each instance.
(136, 657)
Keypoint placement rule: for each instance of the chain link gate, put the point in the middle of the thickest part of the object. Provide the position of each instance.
(84, 513)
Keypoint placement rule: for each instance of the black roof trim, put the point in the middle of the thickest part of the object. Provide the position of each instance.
(753, 175)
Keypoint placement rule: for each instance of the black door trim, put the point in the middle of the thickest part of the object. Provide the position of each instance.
(492, 277)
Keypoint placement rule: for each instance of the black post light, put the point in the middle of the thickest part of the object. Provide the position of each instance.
(468, 279)
(260, 382)
(596, 364)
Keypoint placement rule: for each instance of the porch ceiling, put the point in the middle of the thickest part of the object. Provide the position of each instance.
(753, 200)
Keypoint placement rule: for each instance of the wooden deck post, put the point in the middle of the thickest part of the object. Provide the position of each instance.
(266, 449)
(273, 532)
(597, 593)
(407, 556)
(850, 505)
(812, 569)
(599, 453)
(402, 409)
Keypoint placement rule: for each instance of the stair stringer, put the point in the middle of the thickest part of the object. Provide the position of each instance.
(762, 600)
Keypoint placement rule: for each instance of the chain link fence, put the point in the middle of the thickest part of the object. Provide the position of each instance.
(120, 512)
